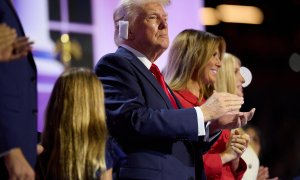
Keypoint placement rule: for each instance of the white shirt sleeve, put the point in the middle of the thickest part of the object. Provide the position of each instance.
(202, 130)
(200, 120)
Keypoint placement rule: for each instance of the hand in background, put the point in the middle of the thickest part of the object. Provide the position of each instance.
(21, 47)
(7, 37)
(17, 166)
(263, 174)
(219, 104)
(11, 46)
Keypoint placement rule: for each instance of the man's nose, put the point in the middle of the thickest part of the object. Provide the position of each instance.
(163, 24)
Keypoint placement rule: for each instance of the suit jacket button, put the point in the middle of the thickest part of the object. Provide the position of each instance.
(249, 166)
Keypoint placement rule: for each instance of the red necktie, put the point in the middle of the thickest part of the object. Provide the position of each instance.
(156, 72)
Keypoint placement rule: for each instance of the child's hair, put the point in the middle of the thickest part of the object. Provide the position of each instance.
(75, 129)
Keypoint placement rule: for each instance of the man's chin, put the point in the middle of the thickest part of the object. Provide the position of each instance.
(165, 46)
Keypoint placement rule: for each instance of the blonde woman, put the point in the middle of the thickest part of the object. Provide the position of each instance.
(194, 60)
(75, 131)
(229, 79)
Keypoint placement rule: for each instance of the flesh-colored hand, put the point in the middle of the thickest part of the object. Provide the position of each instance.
(232, 121)
(219, 104)
(21, 48)
(7, 37)
(17, 166)
(263, 174)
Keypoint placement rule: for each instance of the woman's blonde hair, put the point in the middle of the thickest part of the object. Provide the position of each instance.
(75, 132)
(226, 78)
(190, 52)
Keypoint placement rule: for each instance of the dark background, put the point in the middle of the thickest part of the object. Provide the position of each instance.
(275, 88)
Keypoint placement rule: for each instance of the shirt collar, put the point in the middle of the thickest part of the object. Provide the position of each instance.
(139, 55)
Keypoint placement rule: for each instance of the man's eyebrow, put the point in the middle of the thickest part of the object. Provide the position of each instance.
(156, 13)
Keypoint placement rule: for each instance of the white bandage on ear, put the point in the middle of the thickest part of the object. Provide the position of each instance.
(123, 29)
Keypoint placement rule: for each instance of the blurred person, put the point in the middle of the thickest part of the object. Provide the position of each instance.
(229, 79)
(143, 115)
(191, 71)
(75, 133)
(228, 75)
(255, 171)
(18, 98)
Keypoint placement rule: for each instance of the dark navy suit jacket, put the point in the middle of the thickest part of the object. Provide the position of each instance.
(18, 97)
(157, 139)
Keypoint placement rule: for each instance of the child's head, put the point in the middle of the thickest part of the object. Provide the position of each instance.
(75, 130)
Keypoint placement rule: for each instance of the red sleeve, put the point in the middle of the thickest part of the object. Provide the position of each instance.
(212, 160)
(212, 166)
(228, 173)
(238, 174)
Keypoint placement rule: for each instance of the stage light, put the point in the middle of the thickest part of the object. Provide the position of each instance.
(240, 14)
(247, 75)
(294, 62)
(208, 16)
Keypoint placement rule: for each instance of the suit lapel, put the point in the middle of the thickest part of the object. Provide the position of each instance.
(146, 73)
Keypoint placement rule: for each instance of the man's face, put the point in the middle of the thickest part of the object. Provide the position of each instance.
(150, 31)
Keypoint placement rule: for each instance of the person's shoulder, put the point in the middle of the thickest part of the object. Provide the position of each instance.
(121, 53)
(114, 58)
(111, 57)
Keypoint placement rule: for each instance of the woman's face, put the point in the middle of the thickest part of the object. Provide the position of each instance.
(239, 79)
(211, 69)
